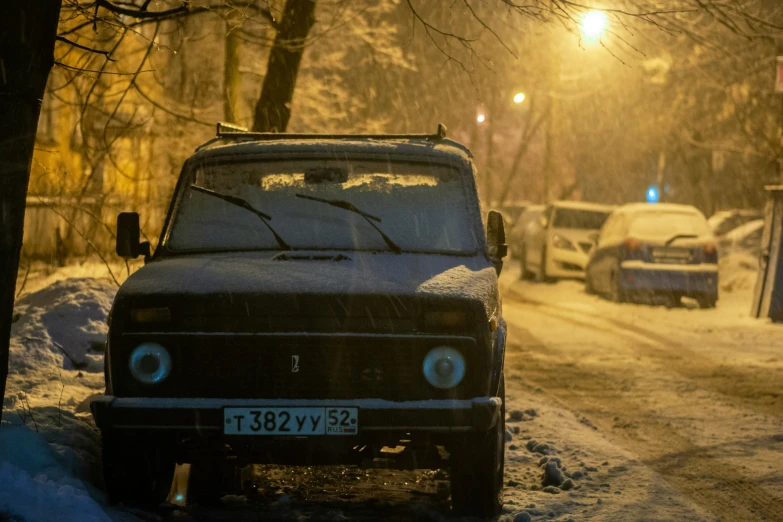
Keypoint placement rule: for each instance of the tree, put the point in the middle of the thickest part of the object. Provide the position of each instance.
(27, 36)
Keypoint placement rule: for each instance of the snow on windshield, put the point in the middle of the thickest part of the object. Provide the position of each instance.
(421, 207)
(668, 224)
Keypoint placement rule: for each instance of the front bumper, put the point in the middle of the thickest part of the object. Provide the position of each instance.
(206, 415)
(699, 279)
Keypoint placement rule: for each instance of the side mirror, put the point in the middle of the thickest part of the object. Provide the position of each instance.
(129, 236)
(496, 239)
(543, 221)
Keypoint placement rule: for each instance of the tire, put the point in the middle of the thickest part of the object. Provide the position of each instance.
(524, 273)
(617, 294)
(589, 287)
(137, 470)
(211, 479)
(707, 301)
(541, 275)
(477, 467)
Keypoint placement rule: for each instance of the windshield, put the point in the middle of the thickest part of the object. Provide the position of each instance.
(420, 207)
(668, 224)
(580, 219)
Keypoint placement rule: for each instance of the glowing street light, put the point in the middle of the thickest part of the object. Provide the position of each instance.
(480, 118)
(593, 24)
(519, 97)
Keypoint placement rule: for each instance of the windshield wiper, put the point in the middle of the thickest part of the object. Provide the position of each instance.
(680, 236)
(242, 203)
(346, 205)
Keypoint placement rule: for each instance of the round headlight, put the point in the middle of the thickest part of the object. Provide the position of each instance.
(150, 363)
(444, 367)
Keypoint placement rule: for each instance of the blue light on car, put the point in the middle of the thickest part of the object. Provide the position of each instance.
(150, 363)
(444, 367)
(653, 196)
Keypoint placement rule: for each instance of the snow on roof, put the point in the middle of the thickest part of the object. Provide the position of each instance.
(662, 208)
(447, 151)
(584, 205)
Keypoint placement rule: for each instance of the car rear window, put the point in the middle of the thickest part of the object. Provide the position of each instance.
(580, 219)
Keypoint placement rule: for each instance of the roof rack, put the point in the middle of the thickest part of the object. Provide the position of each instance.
(228, 131)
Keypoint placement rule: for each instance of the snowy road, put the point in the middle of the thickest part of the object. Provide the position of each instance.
(696, 396)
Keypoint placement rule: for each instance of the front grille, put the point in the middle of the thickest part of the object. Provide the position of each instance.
(586, 247)
(316, 368)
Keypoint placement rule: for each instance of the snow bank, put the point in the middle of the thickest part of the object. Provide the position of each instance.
(62, 325)
(738, 271)
(35, 482)
(49, 447)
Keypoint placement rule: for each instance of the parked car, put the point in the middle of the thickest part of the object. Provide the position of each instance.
(664, 248)
(745, 238)
(312, 300)
(511, 211)
(517, 235)
(725, 221)
(557, 243)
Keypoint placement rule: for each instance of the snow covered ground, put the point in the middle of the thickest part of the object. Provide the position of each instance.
(690, 401)
(615, 412)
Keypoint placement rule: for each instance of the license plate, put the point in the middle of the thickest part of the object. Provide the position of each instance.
(290, 421)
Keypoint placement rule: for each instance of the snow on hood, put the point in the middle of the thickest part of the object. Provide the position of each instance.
(68, 317)
(361, 273)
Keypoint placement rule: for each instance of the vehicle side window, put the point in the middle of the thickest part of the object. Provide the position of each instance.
(613, 229)
(606, 230)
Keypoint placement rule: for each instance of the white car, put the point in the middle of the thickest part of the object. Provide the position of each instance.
(725, 221)
(745, 238)
(558, 243)
(663, 249)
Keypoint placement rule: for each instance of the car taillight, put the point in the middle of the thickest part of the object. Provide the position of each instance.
(632, 249)
(710, 253)
(632, 244)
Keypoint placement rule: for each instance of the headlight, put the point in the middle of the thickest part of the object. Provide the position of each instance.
(562, 243)
(444, 367)
(150, 363)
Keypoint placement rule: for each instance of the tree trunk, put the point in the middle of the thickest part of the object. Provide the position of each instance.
(27, 32)
(231, 77)
(273, 109)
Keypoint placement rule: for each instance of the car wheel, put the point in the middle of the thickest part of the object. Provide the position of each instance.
(618, 295)
(524, 273)
(211, 479)
(137, 470)
(477, 467)
(707, 301)
(589, 287)
(541, 275)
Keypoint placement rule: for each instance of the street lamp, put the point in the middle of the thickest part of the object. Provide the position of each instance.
(519, 97)
(480, 118)
(593, 24)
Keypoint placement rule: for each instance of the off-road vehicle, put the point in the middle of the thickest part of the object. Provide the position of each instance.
(313, 299)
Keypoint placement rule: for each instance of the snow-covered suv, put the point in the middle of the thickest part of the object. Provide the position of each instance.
(312, 300)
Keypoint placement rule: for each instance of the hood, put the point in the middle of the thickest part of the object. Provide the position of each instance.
(316, 273)
(581, 238)
(295, 283)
